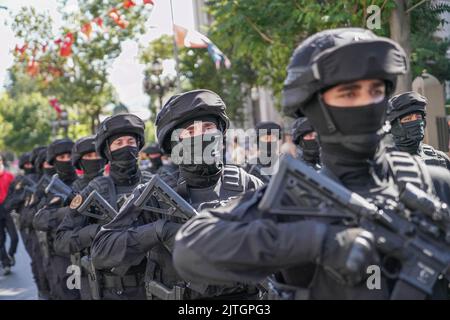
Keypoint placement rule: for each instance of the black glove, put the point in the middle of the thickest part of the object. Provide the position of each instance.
(166, 231)
(347, 253)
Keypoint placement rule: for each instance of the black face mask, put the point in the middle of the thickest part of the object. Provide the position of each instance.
(124, 167)
(347, 152)
(200, 162)
(408, 136)
(65, 170)
(49, 171)
(92, 168)
(29, 170)
(156, 162)
(311, 150)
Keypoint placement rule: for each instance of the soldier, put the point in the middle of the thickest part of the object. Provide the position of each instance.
(305, 138)
(268, 137)
(341, 80)
(153, 152)
(190, 126)
(50, 215)
(33, 201)
(159, 163)
(71, 233)
(118, 141)
(17, 193)
(407, 116)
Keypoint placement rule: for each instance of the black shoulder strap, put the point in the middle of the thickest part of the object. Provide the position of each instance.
(106, 188)
(407, 168)
(232, 179)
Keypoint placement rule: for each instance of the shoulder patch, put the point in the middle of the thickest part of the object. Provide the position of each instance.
(76, 202)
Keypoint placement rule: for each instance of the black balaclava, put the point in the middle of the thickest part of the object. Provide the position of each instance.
(198, 172)
(65, 170)
(123, 162)
(156, 162)
(311, 150)
(49, 171)
(29, 170)
(348, 151)
(92, 168)
(409, 135)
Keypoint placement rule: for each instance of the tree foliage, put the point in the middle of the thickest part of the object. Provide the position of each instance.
(25, 121)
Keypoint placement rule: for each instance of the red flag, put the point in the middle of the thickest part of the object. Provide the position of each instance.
(189, 38)
(55, 105)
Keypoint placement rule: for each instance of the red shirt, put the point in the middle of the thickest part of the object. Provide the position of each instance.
(5, 180)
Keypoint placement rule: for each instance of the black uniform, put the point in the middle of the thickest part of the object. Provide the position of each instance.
(317, 257)
(309, 150)
(33, 201)
(67, 241)
(17, 193)
(408, 136)
(48, 218)
(76, 232)
(143, 239)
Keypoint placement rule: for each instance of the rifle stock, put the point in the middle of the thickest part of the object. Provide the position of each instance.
(95, 206)
(157, 188)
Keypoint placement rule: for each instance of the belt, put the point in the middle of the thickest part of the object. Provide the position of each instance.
(129, 280)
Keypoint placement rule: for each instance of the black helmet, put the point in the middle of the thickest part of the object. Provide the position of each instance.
(119, 125)
(300, 127)
(40, 158)
(23, 159)
(406, 103)
(337, 56)
(187, 106)
(269, 126)
(57, 147)
(80, 148)
(35, 154)
(153, 148)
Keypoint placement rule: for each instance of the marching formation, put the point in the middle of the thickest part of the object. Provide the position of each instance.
(361, 193)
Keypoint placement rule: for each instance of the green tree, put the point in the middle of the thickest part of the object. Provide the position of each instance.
(80, 79)
(263, 33)
(25, 121)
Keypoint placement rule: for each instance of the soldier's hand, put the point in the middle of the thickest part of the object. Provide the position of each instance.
(347, 253)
